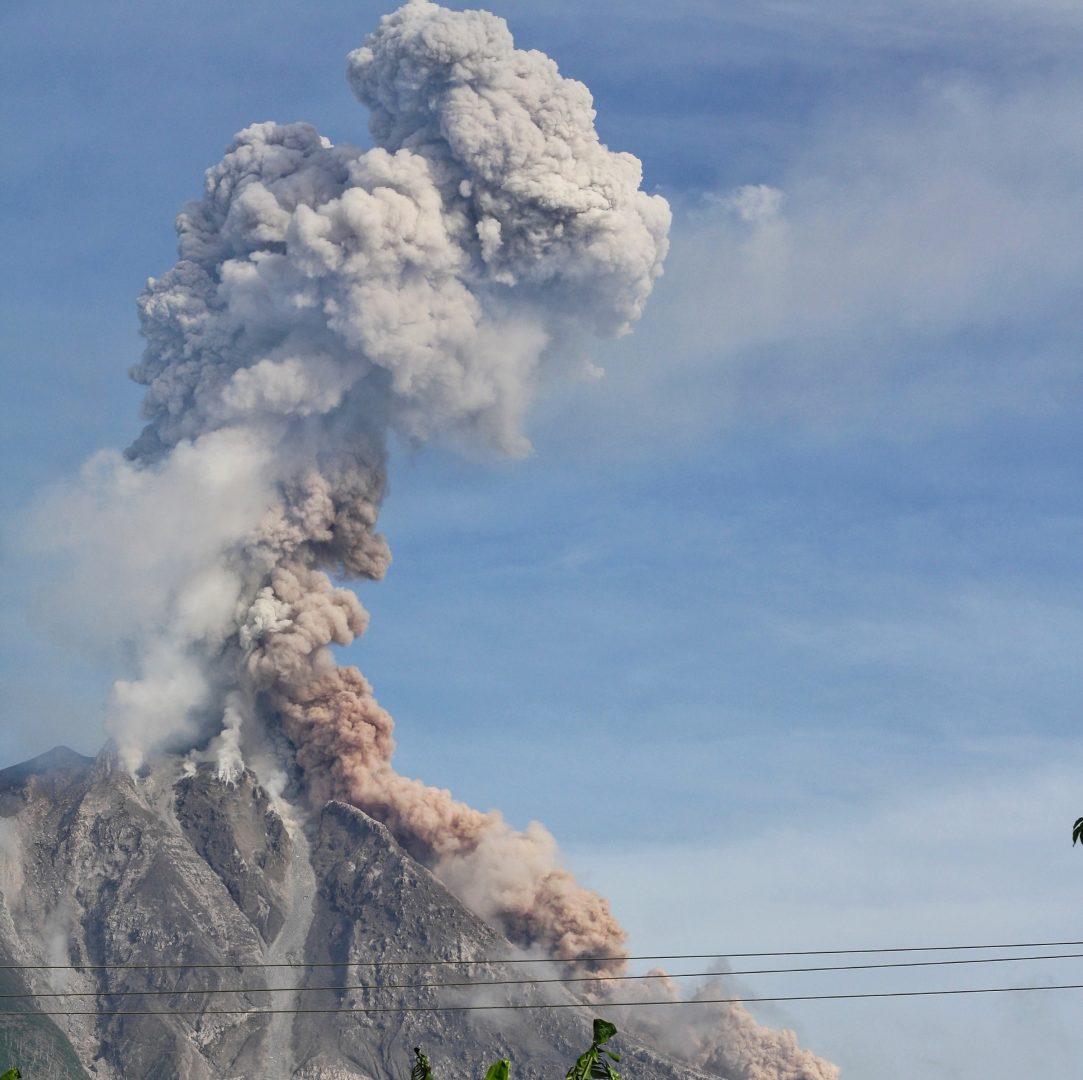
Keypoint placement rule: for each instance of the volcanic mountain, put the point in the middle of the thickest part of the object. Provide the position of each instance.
(138, 917)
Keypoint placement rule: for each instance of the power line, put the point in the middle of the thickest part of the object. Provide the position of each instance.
(436, 962)
(532, 982)
(543, 1005)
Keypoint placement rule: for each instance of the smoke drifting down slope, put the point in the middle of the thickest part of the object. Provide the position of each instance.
(325, 299)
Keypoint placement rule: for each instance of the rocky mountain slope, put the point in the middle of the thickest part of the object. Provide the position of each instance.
(140, 882)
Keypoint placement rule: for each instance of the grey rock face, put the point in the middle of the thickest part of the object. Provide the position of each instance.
(157, 876)
(240, 837)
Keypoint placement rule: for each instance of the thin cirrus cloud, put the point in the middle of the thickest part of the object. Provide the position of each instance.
(928, 259)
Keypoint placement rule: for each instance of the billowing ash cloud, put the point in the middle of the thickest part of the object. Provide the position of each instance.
(326, 298)
(721, 1038)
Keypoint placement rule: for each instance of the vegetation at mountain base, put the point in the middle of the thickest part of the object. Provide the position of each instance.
(595, 1063)
(422, 1070)
(499, 1070)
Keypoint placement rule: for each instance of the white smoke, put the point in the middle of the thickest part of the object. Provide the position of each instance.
(325, 299)
(721, 1038)
(11, 864)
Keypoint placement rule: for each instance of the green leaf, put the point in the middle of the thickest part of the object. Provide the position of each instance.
(421, 1070)
(12, 1074)
(603, 1031)
(602, 1070)
(499, 1070)
(584, 1066)
(592, 1065)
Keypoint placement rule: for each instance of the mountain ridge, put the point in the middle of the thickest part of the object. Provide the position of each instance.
(104, 869)
(175, 893)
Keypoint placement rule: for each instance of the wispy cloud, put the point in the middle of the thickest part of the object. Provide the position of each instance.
(913, 270)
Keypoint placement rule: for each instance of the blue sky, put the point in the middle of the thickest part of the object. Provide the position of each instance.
(788, 605)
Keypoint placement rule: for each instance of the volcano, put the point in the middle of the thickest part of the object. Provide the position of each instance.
(148, 909)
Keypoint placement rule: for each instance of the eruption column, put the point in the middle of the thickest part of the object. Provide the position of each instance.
(326, 298)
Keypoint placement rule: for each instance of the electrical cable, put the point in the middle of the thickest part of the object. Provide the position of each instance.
(533, 982)
(435, 962)
(543, 1005)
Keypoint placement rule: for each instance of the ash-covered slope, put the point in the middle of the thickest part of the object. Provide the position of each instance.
(180, 869)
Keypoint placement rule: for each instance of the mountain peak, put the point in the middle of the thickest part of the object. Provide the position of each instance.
(151, 885)
(60, 758)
